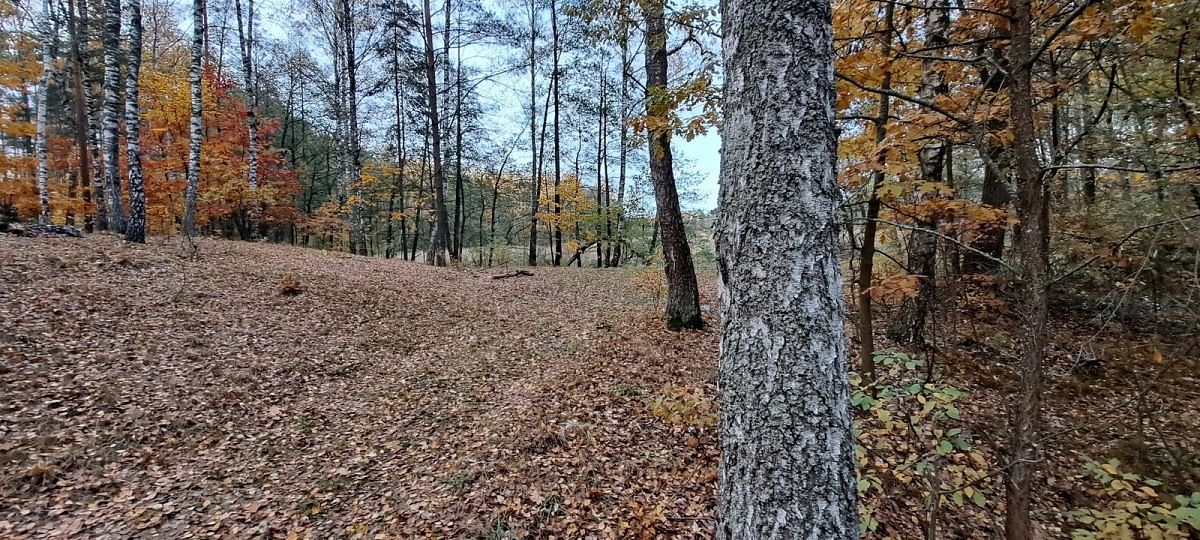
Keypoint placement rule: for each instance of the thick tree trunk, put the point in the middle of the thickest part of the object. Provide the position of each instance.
(439, 240)
(195, 127)
(683, 296)
(136, 229)
(787, 460)
(43, 92)
(112, 114)
(1032, 250)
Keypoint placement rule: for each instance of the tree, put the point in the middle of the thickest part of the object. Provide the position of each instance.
(43, 92)
(439, 241)
(1032, 250)
(112, 112)
(195, 127)
(135, 231)
(77, 30)
(787, 462)
(683, 296)
(246, 48)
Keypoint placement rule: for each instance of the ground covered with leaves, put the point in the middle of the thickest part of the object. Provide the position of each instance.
(254, 390)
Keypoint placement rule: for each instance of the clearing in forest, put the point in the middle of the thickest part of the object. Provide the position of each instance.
(271, 391)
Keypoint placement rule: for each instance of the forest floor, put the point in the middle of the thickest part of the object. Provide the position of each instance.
(259, 390)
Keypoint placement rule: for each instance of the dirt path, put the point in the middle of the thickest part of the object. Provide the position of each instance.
(145, 393)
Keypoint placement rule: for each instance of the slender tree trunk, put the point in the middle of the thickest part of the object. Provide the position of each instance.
(43, 92)
(555, 74)
(195, 127)
(683, 296)
(1032, 249)
(535, 180)
(439, 241)
(94, 113)
(112, 114)
(136, 229)
(80, 107)
(787, 460)
(601, 144)
(624, 152)
(401, 162)
(246, 47)
(866, 267)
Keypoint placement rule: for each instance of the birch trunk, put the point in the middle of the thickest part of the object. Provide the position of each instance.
(136, 229)
(195, 127)
(246, 47)
(112, 114)
(43, 166)
(787, 459)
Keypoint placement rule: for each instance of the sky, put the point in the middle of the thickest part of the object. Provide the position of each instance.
(699, 158)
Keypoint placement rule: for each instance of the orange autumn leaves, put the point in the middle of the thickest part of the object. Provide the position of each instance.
(165, 113)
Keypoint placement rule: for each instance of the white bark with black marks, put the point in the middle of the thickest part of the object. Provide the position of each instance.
(246, 47)
(196, 134)
(43, 92)
(112, 115)
(787, 459)
(135, 231)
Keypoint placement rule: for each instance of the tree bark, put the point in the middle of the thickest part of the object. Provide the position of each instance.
(683, 296)
(80, 107)
(1032, 250)
(557, 137)
(43, 92)
(112, 114)
(535, 179)
(909, 324)
(787, 460)
(866, 267)
(439, 240)
(246, 48)
(136, 229)
(195, 127)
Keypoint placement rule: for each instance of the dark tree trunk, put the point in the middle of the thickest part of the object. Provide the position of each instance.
(76, 25)
(439, 240)
(557, 138)
(683, 296)
(787, 461)
(1032, 249)
(866, 268)
(535, 180)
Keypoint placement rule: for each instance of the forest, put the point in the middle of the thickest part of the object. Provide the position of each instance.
(475, 269)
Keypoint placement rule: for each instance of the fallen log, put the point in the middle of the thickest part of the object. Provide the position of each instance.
(515, 273)
(40, 230)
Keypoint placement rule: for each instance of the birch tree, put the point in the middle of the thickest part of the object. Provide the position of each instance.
(112, 112)
(787, 459)
(246, 48)
(135, 231)
(195, 133)
(43, 161)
